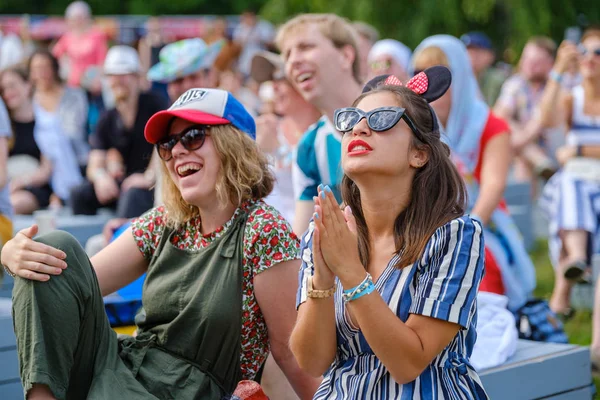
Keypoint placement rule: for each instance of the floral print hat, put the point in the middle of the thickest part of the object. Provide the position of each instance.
(183, 58)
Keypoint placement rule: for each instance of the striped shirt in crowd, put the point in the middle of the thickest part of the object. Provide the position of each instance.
(443, 284)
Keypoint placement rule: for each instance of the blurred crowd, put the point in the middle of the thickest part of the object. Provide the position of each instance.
(72, 119)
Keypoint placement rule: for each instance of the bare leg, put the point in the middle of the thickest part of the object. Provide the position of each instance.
(561, 294)
(540, 164)
(40, 392)
(523, 170)
(24, 202)
(274, 382)
(575, 245)
(574, 249)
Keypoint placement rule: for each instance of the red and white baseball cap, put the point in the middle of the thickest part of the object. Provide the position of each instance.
(205, 107)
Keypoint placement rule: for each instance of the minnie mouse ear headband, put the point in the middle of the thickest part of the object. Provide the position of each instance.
(430, 84)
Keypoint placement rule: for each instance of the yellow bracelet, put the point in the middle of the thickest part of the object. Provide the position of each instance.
(318, 294)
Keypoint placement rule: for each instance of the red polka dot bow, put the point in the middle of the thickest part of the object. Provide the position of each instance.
(417, 84)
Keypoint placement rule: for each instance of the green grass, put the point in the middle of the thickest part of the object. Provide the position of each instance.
(579, 328)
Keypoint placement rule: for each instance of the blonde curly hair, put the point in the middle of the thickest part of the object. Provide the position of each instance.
(245, 174)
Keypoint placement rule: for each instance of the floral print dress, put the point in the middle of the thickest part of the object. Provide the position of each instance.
(268, 240)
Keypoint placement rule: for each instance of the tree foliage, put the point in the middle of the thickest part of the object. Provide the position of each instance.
(508, 22)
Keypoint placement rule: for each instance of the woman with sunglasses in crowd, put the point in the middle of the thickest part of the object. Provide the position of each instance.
(387, 297)
(571, 199)
(219, 267)
(480, 143)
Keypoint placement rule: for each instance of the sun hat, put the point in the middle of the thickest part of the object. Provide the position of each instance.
(202, 106)
(182, 58)
(267, 66)
(122, 60)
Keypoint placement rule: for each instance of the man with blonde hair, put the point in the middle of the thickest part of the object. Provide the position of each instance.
(321, 61)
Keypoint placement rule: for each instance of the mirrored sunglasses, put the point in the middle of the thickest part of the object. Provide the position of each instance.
(379, 120)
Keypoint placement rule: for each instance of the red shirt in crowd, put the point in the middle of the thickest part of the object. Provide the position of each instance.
(82, 51)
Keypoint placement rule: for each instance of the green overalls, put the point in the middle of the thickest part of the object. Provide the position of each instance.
(188, 345)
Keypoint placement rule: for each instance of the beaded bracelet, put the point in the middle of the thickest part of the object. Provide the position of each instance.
(9, 272)
(363, 288)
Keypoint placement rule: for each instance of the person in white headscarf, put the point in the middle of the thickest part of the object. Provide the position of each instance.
(389, 56)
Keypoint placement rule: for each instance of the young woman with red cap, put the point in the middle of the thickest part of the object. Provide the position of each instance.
(220, 266)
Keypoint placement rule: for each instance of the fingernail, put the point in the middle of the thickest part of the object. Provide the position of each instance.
(315, 198)
(349, 209)
(316, 215)
(327, 188)
(323, 195)
(64, 265)
(57, 271)
(321, 186)
(64, 255)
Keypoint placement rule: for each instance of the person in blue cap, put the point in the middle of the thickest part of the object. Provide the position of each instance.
(481, 52)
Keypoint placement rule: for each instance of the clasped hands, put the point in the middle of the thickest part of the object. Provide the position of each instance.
(335, 245)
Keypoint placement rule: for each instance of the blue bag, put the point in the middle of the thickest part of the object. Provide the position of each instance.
(536, 321)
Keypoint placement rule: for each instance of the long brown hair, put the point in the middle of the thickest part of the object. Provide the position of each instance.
(438, 193)
(23, 75)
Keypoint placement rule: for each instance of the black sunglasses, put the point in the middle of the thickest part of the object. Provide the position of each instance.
(379, 120)
(192, 138)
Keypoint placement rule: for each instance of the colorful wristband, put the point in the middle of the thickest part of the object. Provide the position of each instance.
(358, 290)
(555, 76)
(368, 290)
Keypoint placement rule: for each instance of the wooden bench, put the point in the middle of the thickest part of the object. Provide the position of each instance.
(82, 227)
(517, 196)
(10, 382)
(542, 371)
(536, 371)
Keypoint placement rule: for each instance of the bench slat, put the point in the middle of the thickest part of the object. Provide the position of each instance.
(9, 367)
(11, 390)
(7, 334)
(539, 370)
(579, 394)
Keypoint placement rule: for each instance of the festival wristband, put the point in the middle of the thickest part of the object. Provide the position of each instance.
(358, 291)
(368, 290)
(555, 76)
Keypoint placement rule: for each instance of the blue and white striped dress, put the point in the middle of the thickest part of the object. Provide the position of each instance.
(443, 284)
(569, 202)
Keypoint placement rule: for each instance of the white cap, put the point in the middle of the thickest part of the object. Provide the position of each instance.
(122, 60)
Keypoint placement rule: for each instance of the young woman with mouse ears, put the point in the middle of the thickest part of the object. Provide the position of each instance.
(387, 297)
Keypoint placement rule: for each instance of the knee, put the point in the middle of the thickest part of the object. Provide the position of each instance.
(134, 195)
(61, 240)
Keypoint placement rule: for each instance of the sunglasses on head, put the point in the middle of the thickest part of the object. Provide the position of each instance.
(192, 138)
(379, 120)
